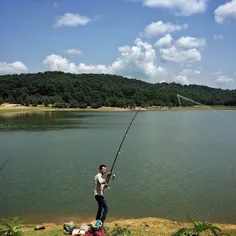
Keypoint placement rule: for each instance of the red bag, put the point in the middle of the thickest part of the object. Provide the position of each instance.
(99, 232)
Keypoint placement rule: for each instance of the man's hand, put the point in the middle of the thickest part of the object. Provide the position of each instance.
(109, 174)
(105, 186)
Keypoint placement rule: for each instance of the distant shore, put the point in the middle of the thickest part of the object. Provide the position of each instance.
(6, 107)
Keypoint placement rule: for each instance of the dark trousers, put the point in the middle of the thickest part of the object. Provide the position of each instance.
(102, 205)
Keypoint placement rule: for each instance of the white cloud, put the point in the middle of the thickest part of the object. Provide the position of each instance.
(160, 28)
(133, 61)
(181, 79)
(187, 72)
(223, 79)
(225, 11)
(164, 41)
(163, 81)
(218, 37)
(58, 63)
(70, 20)
(12, 68)
(190, 42)
(179, 55)
(183, 7)
(73, 51)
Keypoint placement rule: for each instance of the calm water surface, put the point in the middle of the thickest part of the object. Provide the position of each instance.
(172, 163)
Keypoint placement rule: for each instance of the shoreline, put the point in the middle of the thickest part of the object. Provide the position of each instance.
(6, 107)
(138, 226)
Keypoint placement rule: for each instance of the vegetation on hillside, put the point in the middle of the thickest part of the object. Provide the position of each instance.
(96, 90)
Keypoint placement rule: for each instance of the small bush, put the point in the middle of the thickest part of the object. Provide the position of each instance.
(11, 226)
(117, 231)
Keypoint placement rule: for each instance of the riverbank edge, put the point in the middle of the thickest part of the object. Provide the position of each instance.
(141, 226)
(6, 107)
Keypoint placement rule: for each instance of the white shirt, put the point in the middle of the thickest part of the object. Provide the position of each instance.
(99, 183)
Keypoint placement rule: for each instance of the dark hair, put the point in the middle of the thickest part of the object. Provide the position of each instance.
(100, 167)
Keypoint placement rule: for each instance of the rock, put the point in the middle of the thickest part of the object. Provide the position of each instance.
(39, 227)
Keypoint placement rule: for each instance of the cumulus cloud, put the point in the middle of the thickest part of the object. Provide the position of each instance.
(175, 54)
(188, 72)
(58, 63)
(12, 68)
(218, 37)
(225, 11)
(164, 41)
(160, 28)
(183, 7)
(190, 42)
(133, 61)
(223, 79)
(181, 79)
(70, 20)
(73, 51)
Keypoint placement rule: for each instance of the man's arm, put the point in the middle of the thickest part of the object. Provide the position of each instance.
(101, 180)
(104, 180)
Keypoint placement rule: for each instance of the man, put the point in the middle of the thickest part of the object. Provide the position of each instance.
(100, 185)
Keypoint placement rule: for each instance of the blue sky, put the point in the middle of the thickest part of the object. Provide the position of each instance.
(153, 40)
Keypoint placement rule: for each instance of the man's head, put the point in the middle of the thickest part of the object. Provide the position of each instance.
(102, 169)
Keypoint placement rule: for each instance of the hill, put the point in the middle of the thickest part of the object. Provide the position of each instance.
(95, 90)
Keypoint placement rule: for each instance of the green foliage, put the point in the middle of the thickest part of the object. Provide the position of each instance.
(46, 101)
(96, 90)
(117, 231)
(198, 229)
(11, 226)
(73, 103)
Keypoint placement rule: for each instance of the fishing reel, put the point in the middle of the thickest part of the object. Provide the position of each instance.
(113, 177)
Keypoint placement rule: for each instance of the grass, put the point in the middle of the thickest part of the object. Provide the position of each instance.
(138, 227)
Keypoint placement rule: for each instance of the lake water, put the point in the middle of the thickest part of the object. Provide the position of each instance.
(172, 163)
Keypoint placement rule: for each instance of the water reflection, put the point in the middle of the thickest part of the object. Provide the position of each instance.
(46, 120)
(57, 120)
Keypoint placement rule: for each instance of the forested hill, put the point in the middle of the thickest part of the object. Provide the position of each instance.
(71, 90)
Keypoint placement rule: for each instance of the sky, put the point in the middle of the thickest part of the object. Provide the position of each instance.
(187, 42)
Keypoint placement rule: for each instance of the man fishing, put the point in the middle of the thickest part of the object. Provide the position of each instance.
(101, 183)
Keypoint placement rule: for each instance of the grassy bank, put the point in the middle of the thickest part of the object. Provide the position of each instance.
(138, 227)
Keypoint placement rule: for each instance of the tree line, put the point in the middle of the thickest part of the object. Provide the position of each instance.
(64, 90)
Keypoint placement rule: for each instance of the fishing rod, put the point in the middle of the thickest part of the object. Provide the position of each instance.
(4, 164)
(118, 152)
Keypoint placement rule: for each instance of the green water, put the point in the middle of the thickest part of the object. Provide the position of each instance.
(172, 163)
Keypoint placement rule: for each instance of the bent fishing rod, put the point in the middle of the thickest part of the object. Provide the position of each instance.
(4, 164)
(122, 143)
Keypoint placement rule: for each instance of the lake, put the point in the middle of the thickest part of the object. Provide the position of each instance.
(172, 163)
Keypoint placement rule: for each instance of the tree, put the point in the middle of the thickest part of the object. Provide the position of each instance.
(11, 99)
(1, 100)
(60, 105)
(46, 101)
(73, 103)
(96, 104)
(27, 102)
(66, 97)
